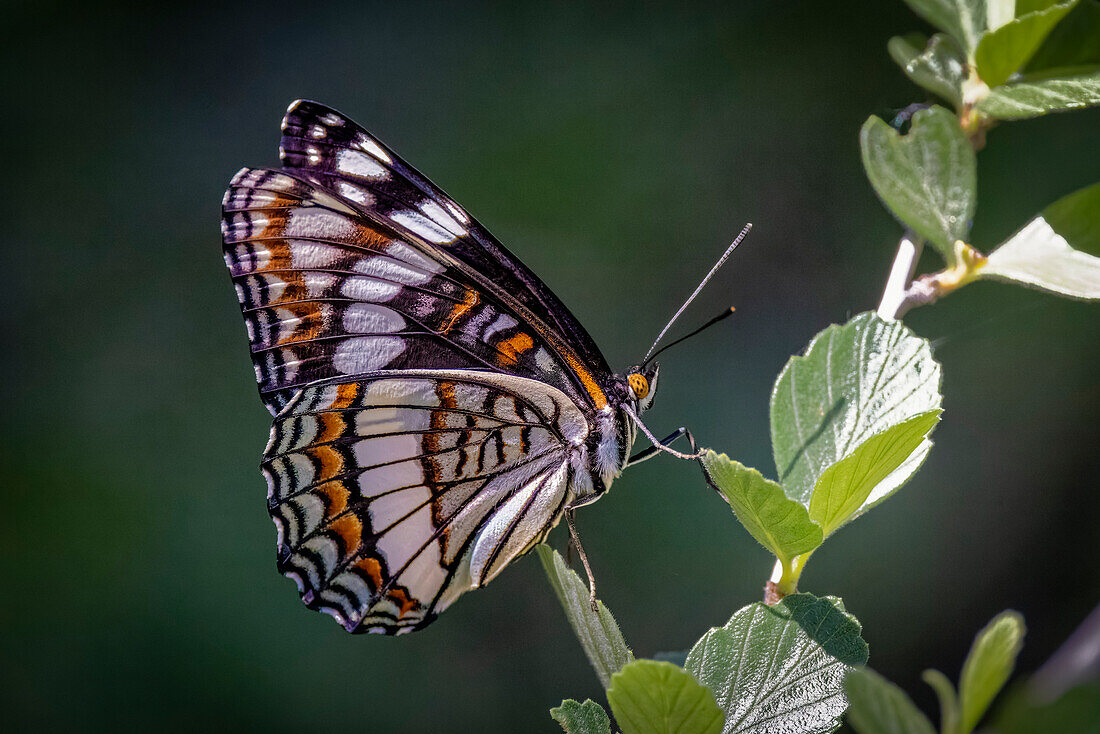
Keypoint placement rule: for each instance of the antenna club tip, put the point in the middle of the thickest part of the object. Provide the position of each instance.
(733, 308)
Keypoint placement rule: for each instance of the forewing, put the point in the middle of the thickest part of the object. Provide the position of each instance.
(395, 492)
(327, 291)
(323, 143)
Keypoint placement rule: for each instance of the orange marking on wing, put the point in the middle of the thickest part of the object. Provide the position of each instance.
(372, 568)
(346, 394)
(350, 530)
(336, 498)
(404, 602)
(511, 349)
(599, 399)
(332, 463)
(310, 322)
(332, 426)
(468, 302)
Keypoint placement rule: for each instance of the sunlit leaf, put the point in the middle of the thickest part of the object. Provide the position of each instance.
(843, 490)
(1002, 52)
(582, 718)
(1056, 251)
(938, 65)
(653, 697)
(780, 669)
(877, 706)
(1026, 99)
(988, 665)
(927, 177)
(778, 523)
(855, 381)
(598, 633)
(963, 19)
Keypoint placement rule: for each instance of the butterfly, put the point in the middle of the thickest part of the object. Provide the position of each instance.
(437, 409)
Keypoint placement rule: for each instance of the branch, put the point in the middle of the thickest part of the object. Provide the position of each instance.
(893, 304)
(903, 293)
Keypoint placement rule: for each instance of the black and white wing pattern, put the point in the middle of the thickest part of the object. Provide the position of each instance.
(397, 492)
(336, 151)
(436, 407)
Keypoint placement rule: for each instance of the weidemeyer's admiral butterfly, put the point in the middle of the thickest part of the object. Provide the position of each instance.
(437, 408)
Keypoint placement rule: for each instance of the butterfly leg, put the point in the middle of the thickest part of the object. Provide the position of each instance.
(668, 440)
(661, 445)
(576, 543)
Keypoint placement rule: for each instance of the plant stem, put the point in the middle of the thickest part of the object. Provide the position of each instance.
(893, 304)
(784, 579)
(902, 294)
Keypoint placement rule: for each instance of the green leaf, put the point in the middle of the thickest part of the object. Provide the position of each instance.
(843, 488)
(877, 706)
(949, 701)
(1073, 42)
(1034, 98)
(781, 668)
(582, 718)
(652, 697)
(963, 19)
(1002, 52)
(598, 633)
(855, 381)
(927, 178)
(938, 65)
(1057, 250)
(988, 665)
(778, 523)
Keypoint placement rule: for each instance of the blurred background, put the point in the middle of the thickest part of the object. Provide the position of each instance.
(617, 151)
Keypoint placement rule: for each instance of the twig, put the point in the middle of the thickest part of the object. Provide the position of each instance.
(893, 304)
(903, 292)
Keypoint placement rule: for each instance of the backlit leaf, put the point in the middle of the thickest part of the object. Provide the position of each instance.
(988, 665)
(843, 491)
(1056, 251)
(855, 381)
(778, 523)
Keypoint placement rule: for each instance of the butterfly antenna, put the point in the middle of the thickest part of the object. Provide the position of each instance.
(699, 288)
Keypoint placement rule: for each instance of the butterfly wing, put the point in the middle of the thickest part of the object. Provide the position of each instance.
(330, 285)
(331, 148)
(434, 401)
(397, 491)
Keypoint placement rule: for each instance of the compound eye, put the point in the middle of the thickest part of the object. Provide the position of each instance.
(639, 384)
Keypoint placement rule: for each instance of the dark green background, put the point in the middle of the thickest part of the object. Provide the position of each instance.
(616, 151)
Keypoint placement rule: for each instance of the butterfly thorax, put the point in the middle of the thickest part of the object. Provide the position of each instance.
(609, 444)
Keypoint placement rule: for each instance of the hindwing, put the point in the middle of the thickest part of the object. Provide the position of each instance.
(397, 491)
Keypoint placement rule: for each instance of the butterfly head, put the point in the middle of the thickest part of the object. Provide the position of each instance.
(642, 382)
